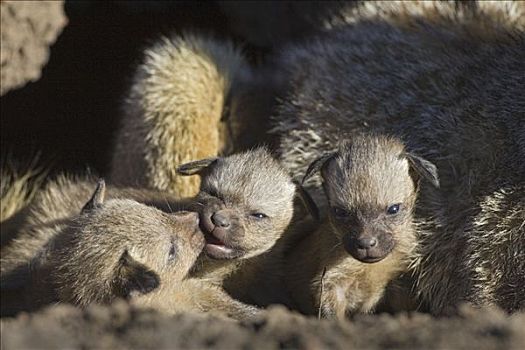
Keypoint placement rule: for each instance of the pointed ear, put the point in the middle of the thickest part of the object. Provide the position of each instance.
(97, 199)
(317, 165)
(307, 201)
(195, 167)
(423, 168)
(134, 278)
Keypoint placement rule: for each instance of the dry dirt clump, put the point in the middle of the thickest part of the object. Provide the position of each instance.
(28, 29)
(119, 326)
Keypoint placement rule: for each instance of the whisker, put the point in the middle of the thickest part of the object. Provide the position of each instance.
(335, 247)
(169, 206)
(321, 294)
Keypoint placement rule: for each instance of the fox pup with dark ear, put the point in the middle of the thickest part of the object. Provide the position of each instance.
(451, 88)
(246, 203)
(108, 249)
(121, 248)
(371, 187)
(118, 248)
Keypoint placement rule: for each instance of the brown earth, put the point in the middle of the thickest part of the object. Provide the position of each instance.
(121, 327)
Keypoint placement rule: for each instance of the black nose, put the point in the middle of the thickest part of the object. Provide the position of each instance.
(220, 220)
(366, 242)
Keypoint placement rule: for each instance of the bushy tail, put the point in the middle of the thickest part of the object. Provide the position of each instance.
(172, 113)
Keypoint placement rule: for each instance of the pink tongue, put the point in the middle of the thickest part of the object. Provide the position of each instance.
(211, 239)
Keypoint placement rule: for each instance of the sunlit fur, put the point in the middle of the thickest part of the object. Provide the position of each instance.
(61, 252)
(447, 79)
(366, 176)
(253, 182)
(498, 229)
(246, 183)
(172, 112)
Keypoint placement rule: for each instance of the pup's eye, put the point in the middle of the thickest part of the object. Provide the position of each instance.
(393, 209)
(173, 252)
(259, 215)
(339, 212)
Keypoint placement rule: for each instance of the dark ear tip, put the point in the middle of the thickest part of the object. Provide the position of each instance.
(100, 190)
(98, 196)
(149, 283)
(433, 176)
(424, 168)
(183, 169)
(136, 278)
(311, 170)
(194, 167)
(307, 201)
(303, 180)
(316, 165)
(101, 187)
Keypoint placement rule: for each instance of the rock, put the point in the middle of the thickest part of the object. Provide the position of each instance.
(29, 28)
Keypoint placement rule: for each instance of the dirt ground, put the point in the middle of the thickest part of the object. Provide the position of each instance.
(120, 327)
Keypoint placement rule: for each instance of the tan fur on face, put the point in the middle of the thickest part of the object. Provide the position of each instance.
(81, 250)
(253, 182)
(61, 255)
(247, 183)
(173, 111)
(367, 173)
(447, 80)
(87, 257)
(172, 116)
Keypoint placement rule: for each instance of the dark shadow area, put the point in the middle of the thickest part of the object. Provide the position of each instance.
(70, 114)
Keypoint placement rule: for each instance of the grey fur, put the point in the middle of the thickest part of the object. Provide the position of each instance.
(240, 186)
(498, 229)
(256, 195)
(70, 252)
(186, 93)
(448, 81)
(361, 180)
